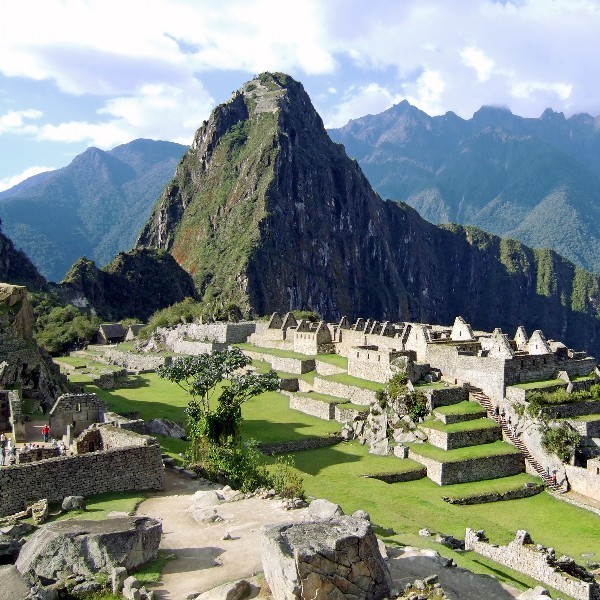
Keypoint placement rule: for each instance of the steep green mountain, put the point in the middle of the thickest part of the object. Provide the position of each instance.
(536, 180)
(16, 268)
(135, 284)
(94, 207)
(266, 211)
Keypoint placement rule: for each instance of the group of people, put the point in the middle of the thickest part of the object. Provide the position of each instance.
(7, 451)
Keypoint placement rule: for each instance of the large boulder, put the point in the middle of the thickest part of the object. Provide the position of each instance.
(165, 427)
(77, 547)
(323, 510)
(324, 560)
(13, 584)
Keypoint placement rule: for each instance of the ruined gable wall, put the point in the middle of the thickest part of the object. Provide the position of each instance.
(528, 560)
(223, 333)
(370, 363)
(585, 481)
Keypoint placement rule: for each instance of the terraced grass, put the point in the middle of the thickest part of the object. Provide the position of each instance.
(466, 407)
(74, 361)
(354, 381)
(484, 423)
(435, 385)
(263, 366)
(274, 352)
(334, 359)
(491, 486)
(498, 448)
(321, 397)
(538, 385)
(351, 406)
(584, 418)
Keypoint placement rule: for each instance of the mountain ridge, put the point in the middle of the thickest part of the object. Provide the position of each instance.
(95, 206)
(266, 211)
(510, 175)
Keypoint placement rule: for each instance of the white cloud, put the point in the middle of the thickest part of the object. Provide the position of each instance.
(427, 92)
(475, 58)
(16, 121)
(7, 182)
(527, 88)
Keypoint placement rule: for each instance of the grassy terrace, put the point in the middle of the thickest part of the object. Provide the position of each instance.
(435, 385)
(74, 361)
(470, 452)
(484, 423)
(334, 359)
(262, 366)
(537, 385)
(584, 418)
(351, 406)
(274, 352)
(354, 381)
(462, 408)
(497, 486)
(321, 397)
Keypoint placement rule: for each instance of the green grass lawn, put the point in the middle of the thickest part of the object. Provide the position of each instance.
(322, 397)
(98, 506)
(584, 418)
(407, 507)
(275, 352)
(263, 366)
(466, 407)
(354, 381)
(537, 385)
(499, 486)
(498, 448)
(484, 423)
(74, 361)
(334, 359)
(436, 385)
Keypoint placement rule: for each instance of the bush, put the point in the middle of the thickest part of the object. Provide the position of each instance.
(285, 480)
(232, 463)
(560, 441)
(538, 399)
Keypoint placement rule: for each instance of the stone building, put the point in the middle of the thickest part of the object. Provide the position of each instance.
(111, 333)
(76, 411)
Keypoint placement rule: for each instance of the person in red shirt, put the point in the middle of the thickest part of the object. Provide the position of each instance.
(45, 432)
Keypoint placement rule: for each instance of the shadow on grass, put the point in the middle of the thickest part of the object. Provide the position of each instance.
(313, 463)
(268, 431)
(501, 575)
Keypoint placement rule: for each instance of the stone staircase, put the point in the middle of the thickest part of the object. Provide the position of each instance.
(478, 395)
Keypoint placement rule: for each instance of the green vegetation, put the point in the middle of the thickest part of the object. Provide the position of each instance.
(274, 352)
(537, 400)
(561, 440)
(150, 571)
(321, 397)
(543, 383)
(490, 486)
(459, 454)
(462, 408)
(334, 359)
(98, 506)
(354, 381)
(411, 403)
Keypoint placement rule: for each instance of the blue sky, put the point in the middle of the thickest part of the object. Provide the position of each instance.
(80, 73)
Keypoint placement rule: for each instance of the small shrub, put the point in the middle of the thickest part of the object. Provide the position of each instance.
(285, 479)
(560, 441)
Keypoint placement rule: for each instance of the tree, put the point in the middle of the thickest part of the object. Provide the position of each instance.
(219, 377)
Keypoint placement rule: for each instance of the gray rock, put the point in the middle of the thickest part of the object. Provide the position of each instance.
(14, 585)
(87, 587)
(9, 548)
(425, 532)
(44, 593)
(326, 560)
(206, 515)
(17, 530)
(234, 590)
(536, 593)
(207, 499)
(117, 578)
(165, 427)
(323, 510)
(78, 547)
(361, 514)
(73, 503)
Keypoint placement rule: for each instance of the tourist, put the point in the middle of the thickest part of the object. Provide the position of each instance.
(496, 411)
(2, 449)
(554, 478)
(503, 415)
(45, 432)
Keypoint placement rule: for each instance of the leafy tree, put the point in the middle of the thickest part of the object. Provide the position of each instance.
(561, 441)
(219, 377)
(407, 402)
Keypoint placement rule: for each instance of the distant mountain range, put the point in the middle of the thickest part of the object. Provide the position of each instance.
(535, 180)
(267, 212)
(94, 207)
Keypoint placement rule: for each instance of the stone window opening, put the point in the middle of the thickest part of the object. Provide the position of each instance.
(78, 407)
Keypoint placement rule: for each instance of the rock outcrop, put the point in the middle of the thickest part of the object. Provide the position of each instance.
(329, 560)
(76, 547)
(23, 364)
(267, 212)
(16, 267)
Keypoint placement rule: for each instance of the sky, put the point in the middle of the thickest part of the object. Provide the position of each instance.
(80, 73)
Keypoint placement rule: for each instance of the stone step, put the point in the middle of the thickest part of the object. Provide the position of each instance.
(457, 413)
(463, 434)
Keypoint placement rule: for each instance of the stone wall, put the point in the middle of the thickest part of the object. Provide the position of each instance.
(443, 396)
(181, 346)
(222, 333)
(354, 394)
(78, 411)
(526, 491)
(587, 428)
(345, 415)
(299, 445)
(527, 559)
(476, 469)
(137, 466)
(459, 439)
(371, 362)
(133, 361)
(574, 409)
(314, 407)
(325, 368)
(287, 365)
(585, 481)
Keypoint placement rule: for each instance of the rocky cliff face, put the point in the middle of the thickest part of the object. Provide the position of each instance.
(134, 284)
(265, 210)
(16, 267)
(23, 365)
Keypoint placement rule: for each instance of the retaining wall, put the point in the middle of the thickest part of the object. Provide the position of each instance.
(299, 445)
(314, 407)
(459, 439)
(443, 396)
(476, 469)
(193, 348)
(587, 428)
(133, 361)
(575, 409)
(287, 365)
(529, 560)
(459, 418)
(344, 415)
(354, 394)
(325, 368)
(121, 468)
(584, 481)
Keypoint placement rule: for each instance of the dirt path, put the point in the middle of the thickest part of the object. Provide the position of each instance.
(203, 559)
